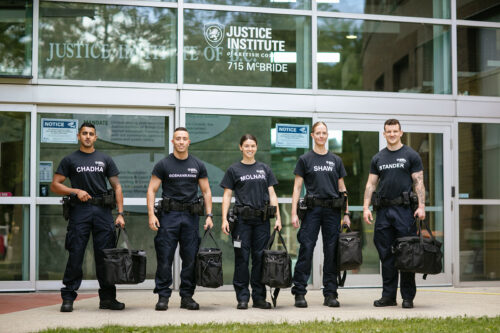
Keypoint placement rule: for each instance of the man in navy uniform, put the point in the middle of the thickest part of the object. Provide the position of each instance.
(90, 212)
(395, 169)
(180, 174)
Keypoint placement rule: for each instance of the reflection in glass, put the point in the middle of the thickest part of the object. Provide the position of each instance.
(16, 28)
(383, 56)
(479, 240)
(478, 61)
(52, 234)
(291, 4)
(356, 150)
(14, 242)
(478, 10)
(107, 42)
(135, 143)
(215, 140)
(433, 9)
(479, 160)
(14, 153)
(247, 49)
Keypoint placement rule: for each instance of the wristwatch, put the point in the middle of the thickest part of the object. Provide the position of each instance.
(348, 214)
(210, 215)
(120, 213)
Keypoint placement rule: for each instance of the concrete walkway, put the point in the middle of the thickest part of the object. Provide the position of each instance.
(220, 306)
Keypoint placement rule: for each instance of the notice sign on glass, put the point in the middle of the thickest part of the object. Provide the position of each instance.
(59, 130)
(292, 136)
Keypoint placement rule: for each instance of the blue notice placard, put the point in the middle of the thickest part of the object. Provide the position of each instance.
(292, 136)
(59, 130)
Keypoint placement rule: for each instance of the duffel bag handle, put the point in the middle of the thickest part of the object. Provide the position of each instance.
(344, 227)
(212, 236)
(271, 240)
(125, 237)
(421, 223)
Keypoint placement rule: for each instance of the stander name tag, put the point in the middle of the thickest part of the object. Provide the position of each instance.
(237, 244)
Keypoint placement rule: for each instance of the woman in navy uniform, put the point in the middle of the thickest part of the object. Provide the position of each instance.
(323, 174)
(252, 182)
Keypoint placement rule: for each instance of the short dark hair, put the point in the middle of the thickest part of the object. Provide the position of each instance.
(181, 129)
(247, 137)
(86, 124)
(316, 124)
(392, 122)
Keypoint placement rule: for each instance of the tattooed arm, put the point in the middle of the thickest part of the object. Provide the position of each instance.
(371, 186)
(419, 188)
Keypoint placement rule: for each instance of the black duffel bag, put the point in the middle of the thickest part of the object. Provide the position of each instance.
(208, 269)
(349, 253)
(124, 266)
(418, 254)
(276, 267)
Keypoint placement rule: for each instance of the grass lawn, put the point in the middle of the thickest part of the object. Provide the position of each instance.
(455, 325)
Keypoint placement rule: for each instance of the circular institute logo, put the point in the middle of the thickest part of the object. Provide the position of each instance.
(214, 34)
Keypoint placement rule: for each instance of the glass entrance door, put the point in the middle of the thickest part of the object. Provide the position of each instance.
(356, 144)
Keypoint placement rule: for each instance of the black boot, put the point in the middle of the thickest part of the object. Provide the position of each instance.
(189, 303)
(331, 301)
(407, 304)
(67, 305)
(385, 301)
(162, 304)
(111, 304)
(242, 305)
(261, 304)
(300, 301)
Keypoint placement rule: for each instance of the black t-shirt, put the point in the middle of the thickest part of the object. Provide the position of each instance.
(179, 178)
(321, 174)
(250, 183)
(88, 172)
(394, 169)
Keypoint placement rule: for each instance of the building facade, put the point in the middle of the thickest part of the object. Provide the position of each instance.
(222, 68)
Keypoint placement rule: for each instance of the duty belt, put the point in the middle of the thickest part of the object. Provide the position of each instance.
(247, 212)
(392, 202)
(408, 199)
(177, 206)
(326, 203)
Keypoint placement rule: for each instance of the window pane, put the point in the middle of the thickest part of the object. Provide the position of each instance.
(215, 140)
(291, 4)
(479, 160)
(135, 143)
(107, 42)
(479, 10)
(434, 8)
(247, 49)
(14, 154)
(52, 234)
(16, 21)
(478, 61)
(14, 242)
(479, 240)
(383, 56)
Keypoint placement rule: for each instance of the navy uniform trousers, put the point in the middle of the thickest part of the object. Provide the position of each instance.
(329, 221)
(176, 227)
(393, 222)
(254, 235)
(86, 218)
